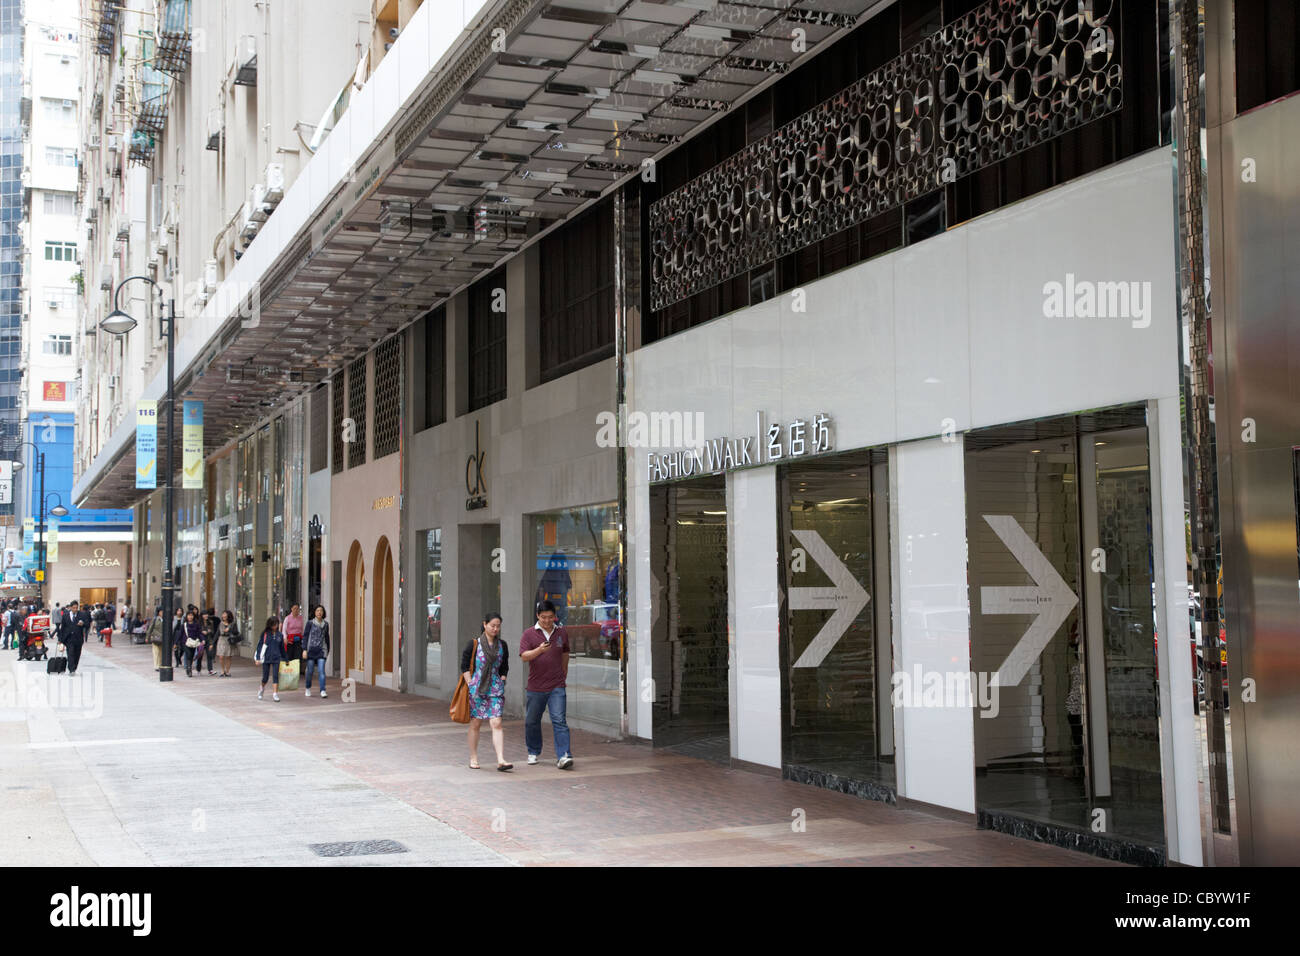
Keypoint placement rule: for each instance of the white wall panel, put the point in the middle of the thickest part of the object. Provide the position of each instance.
(928, 515)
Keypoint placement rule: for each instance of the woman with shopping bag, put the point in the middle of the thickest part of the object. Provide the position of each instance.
(154, 635)
(484, 665)
(270, 650)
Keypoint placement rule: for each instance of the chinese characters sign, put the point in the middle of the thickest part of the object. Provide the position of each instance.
(770, 442)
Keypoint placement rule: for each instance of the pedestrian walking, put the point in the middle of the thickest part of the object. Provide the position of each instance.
(270, 651)
(8, 628)
(227, 638)
(316, 647)
(209, 621)
(546, 649)
(294, 625)
(192, 632)
(178, 637)
(154, 635)
(83, 622)
(72, 636)
(485, 662)
(110, 615)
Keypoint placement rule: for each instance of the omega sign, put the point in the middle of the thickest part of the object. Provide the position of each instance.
(475, 483)
(99, 561)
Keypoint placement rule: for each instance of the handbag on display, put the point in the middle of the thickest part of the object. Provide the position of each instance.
(460, 702)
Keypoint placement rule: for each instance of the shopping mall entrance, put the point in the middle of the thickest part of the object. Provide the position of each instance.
(689, 636)
(1059, 529)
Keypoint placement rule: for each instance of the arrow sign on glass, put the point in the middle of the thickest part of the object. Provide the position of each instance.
(1051, 600)
(847, 598)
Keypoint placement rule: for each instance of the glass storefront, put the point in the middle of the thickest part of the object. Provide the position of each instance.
(836, 655)
(428, 653)
(690, 634)
(574, 565)
(1060, 567)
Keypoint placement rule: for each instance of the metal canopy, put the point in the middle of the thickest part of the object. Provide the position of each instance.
(582, 92)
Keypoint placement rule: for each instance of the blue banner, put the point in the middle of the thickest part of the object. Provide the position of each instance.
(146, 445)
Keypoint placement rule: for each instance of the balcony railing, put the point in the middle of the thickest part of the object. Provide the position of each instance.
(110, 12)
(174, 42)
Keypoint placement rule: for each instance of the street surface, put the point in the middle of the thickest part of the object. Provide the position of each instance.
(138, 773)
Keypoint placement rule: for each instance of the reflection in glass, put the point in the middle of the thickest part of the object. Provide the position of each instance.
(428, 655)
(575, 567)
(689, 632)
(839, 715)
(1075, 741)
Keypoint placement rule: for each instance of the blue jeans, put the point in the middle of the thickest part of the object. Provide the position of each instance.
(553, 701)
(313, 664)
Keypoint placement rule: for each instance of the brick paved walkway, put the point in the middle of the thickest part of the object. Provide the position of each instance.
(624, 803)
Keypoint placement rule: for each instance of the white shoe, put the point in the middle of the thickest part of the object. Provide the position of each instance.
(322, 693)
(259, 695)
(532, 759)
(275, 697)
(565, 762)
(306, 693)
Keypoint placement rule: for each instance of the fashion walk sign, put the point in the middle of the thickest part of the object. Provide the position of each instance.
(770, 442)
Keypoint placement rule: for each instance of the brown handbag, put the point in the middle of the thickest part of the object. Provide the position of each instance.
(460, 702)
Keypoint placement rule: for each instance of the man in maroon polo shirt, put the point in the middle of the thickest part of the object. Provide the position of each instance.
(546, 649)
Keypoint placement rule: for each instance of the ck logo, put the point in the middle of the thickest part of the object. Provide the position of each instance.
(475, 483)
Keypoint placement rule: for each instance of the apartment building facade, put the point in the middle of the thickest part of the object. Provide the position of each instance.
(830, 367)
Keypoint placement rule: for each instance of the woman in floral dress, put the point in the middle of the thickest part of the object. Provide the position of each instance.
(485, 664)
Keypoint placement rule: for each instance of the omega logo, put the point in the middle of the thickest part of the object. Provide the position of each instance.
(99, 561)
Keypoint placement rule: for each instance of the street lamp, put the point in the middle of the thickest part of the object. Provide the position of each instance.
(118, 322)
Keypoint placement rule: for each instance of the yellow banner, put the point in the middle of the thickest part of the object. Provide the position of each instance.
(52, 542)
(192, 446)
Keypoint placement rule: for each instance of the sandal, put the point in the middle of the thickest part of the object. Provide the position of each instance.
(503, 767)
(475, 766)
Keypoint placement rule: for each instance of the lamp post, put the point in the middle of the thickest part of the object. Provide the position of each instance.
(119, 323)
(57, 511)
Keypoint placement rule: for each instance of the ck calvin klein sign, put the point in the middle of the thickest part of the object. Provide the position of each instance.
(475, 482)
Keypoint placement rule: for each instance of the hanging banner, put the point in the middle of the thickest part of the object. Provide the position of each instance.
(146, 445)
(29, 543)
(52, 541)
(192, 442)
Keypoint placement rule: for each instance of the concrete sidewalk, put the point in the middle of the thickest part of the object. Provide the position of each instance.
(624, 803)
(112, 768)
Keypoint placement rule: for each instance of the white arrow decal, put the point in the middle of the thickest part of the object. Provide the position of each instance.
(847, 598)
(1052, 600)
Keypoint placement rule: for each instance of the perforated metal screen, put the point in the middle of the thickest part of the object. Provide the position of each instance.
(388, 396)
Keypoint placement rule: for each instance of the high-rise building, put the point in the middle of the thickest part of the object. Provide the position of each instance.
(15, 112)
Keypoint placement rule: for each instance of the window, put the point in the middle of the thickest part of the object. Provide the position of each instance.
(435, 367)
(61, 252)
(60, 204)
(319, 428)
(1267, 40)
(428, 663)
(59, 111)
(59, 156)
(487, 341)
(355, 437)
(57, 345)
(388, 396)
(336, 401)
(576, 279)
(59, 297)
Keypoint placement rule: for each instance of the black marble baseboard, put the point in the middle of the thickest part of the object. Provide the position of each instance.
(1071, 838)
(831, 781)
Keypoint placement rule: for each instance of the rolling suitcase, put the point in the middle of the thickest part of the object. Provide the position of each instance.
(58, 664)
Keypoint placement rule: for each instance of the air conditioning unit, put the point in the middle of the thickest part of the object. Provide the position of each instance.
(53, 303)
(210, 276)
(248, 225)
(160, 247)
(258, 209)
(114, 144)
(93, 141)
(113, 382)
(245, 66)
(124, 229)
(106, 284)
(274, 182)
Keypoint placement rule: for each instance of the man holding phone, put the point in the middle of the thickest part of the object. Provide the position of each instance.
(546, 649)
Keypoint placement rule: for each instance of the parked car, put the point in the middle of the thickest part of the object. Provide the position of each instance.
(435, 620)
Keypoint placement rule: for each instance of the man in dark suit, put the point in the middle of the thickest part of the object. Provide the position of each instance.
(72, 635)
